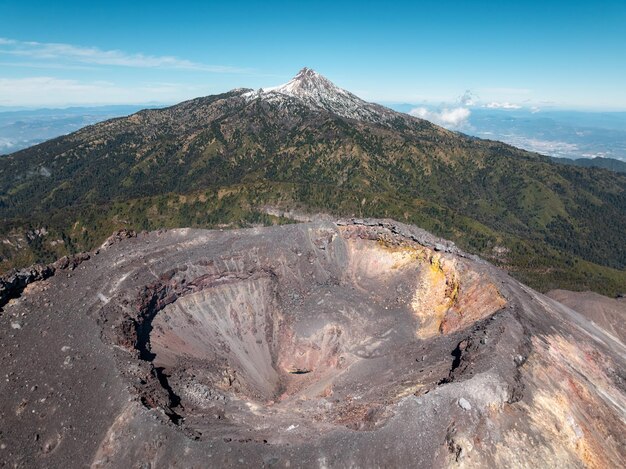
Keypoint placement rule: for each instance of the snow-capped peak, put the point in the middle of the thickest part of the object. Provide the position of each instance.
(317, 91)
(310, 85)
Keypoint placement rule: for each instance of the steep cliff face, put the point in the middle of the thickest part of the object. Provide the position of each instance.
(358, 343)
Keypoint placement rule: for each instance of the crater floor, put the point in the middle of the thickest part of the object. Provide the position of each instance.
(353, 343)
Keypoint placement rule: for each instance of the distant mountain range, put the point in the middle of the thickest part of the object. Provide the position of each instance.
(606, 163)
(244, 157)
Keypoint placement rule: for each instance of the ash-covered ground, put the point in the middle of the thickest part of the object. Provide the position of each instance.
(360, 343)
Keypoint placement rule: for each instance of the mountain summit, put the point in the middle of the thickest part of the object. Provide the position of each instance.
(309, 83)
(317, 91)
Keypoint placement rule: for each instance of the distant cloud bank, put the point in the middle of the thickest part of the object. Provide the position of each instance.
(59, 54)
(454, 118)
(50, 91)
(505, 105)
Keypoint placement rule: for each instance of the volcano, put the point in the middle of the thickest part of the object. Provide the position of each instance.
(310, 146)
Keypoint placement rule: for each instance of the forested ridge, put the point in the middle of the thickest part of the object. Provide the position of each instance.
(222, 160)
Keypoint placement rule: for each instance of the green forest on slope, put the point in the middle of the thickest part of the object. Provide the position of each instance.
(220, 161)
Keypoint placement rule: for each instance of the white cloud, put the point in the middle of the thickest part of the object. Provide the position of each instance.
(503, 105)
(46, 65)
(453, 118)
(468, 98)
(50, 91)
(67, 53)
(6, 143)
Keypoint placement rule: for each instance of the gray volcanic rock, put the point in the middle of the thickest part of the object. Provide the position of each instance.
(14, 282)
(363, 343)
(608, 313)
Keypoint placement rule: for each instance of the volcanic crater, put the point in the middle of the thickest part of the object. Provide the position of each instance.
(350, 343)
(329, 330)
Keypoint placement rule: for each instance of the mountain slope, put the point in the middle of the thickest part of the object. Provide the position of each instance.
(310, 145)
(607, 313)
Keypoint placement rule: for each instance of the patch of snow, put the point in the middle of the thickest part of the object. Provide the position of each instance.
(317, 92)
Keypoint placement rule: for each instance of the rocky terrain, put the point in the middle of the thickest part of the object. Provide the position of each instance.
(354, 343)
(608, 313)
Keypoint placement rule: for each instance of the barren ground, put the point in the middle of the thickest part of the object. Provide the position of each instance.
(359, 343)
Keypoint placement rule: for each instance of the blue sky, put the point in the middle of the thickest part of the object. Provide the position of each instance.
(564, 54)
